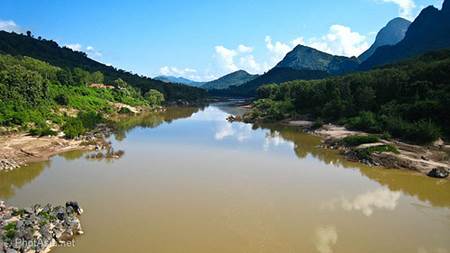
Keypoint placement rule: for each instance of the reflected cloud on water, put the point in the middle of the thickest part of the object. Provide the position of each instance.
(240, 132)
(367, 203)
(325, 239)
(274, 139)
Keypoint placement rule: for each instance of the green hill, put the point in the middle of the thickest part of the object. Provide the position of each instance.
(65, 58)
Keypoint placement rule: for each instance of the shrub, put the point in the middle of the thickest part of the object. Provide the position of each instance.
(421, 132)
(90, 119)
(365, 121)
(62, 99)
(44, 131)
(154, 97)
(125, 110)
(366, 152)
(424, 132)
(318, 123)
(73, 128)
(356, 140)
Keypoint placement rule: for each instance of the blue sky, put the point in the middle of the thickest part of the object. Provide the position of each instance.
(203, 39)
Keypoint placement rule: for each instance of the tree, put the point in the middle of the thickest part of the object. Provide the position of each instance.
(97, 77)
(154, 97)
(29, 33)
(120, 84)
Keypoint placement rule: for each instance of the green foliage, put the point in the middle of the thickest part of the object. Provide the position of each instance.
(10, 230)
(318, 123)
(73, 128)
(75, 68)
(154, 97)
(408, 101)
(365, 153)
(42, 131)
(84, 122)
(125, 110)
(365, 121)
(268, 91)
(62, 99)
(356, 140)
(268, 110)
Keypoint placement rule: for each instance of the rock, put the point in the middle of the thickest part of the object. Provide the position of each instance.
(438, 173)
(438, 143)
(75, 207)
(38, 229)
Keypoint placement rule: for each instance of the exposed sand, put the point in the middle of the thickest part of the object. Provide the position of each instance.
(17, 150)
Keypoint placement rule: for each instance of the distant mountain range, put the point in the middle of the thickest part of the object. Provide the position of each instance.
(429, 31)
(179, 80)
(236, 78)
(397, 41)
(307, 58)
(391, 34)
(275, 75)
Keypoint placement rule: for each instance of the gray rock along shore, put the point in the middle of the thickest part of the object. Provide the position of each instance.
(38, 228)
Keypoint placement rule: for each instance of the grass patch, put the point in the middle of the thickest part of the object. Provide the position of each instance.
(366, 152)
(356, 140)
(10, 230)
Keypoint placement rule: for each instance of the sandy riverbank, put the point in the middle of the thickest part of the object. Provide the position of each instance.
(17, 150)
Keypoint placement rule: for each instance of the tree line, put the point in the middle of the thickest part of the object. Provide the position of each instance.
(410, 100)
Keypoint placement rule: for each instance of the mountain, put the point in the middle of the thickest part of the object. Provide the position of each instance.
(391, 34)
(275, 75)
(307, 58)
(233, 79)
(429, 31)
(63, 57)
(179, 80)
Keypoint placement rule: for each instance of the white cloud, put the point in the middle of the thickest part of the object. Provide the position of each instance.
(245, 49)
(226, 58)
(341, 40)
(406, 7)
(326, 238)
(249, 63)
(188, 73)
(89, 50)
(277, 50)
(174, 71)
(74, 47)
(9, 26)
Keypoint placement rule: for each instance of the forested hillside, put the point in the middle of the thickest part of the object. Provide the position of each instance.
(410, 100)
(65, 58)
(39, 97)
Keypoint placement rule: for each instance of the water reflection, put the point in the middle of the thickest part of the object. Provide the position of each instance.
(151, 120)
(326, 238)
(368, 202)
(16, 179)
(240, 132)
(425, 189)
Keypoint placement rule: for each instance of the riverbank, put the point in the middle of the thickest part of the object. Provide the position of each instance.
(432, 160)
(20, 149)
(38, 228)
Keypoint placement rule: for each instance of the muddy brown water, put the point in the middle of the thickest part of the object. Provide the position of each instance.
(191, 182)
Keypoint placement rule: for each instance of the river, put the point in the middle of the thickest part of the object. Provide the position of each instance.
(192, 182)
